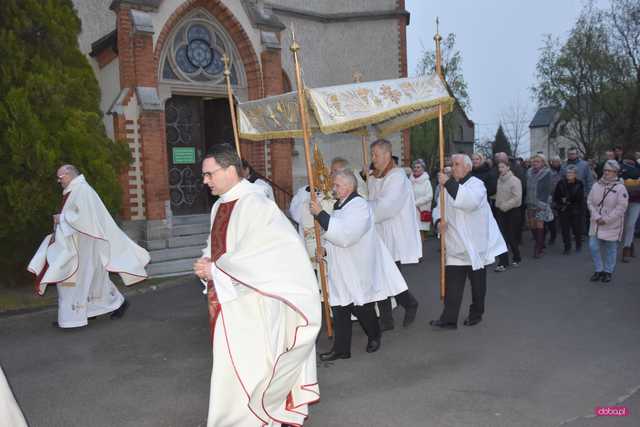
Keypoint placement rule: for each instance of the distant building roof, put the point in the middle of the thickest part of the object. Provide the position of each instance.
(544, 117)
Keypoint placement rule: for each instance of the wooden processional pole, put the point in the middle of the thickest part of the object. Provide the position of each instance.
(232, 106)
(443, 248)
(302, 106)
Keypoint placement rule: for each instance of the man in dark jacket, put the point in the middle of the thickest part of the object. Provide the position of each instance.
(568, 200)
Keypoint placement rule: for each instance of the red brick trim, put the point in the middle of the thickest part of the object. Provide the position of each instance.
(233, 27)
(403, 72)
(402, 40)
(105, 57)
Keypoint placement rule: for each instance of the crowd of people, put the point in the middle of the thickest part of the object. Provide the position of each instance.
(260, 277)
(586, 200)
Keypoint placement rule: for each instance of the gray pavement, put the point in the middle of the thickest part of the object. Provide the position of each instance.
(552, 347)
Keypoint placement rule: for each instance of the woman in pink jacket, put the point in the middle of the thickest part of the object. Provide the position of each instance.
(607, 204)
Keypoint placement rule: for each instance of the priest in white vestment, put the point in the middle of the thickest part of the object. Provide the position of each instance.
(472, 241)
(359, 265)
(10, 413)
(393, 205)
(264, 305)
(85, 246)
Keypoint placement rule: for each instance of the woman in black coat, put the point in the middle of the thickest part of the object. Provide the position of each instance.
(568, 200)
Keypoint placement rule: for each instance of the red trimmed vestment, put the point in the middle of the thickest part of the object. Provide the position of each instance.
(84, 248)
(264, 309)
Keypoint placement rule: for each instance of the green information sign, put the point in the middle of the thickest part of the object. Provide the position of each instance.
(184, 155)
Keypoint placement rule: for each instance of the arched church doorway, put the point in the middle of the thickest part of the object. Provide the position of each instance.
(197, 112)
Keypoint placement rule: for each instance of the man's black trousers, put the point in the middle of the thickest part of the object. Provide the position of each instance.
(456, 276)
(365, 314)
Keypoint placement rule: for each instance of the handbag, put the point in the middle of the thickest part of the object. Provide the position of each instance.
(425, 216)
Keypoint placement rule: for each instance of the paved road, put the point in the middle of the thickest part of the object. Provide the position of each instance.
(552, 347)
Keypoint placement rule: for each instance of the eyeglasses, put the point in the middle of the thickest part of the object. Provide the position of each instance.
(209, 175)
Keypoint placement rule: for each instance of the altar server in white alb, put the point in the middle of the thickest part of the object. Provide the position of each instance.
(472, 241)
(394, 210)
(10, 413)
(360, 266)
(264, 304)
(85, 246)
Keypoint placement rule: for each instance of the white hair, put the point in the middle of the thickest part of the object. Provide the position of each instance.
(341, 161)
(70, 170)
(349, 176)
(465, 159)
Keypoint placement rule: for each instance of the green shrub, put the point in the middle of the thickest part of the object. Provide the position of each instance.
(49, 115)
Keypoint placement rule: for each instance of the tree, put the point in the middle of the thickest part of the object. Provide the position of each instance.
(594, 78)
(621, 102)
(515, 124)
(451, 69)
(501, 143)
(484, 146)
(49, 115)
(424, 137)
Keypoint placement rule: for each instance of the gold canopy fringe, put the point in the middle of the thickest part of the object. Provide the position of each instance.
(357, 126)
(421, 118)
(384, 115)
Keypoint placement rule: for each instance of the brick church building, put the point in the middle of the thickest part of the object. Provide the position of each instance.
(159, 67)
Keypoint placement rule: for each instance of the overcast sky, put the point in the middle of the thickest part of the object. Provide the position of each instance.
(499, 42)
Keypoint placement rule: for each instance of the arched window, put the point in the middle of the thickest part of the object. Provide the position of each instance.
(194, 52)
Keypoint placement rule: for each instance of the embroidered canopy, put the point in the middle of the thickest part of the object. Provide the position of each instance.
(387, 106)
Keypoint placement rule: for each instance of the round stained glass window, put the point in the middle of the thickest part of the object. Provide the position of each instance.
(183, 61)
(199, 53)
(198, 32)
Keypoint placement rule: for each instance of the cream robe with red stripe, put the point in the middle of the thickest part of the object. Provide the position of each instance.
(10, 413)
(264, 367)
(85, 215)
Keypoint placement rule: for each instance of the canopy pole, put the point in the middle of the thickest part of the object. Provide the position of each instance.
(232, 106)
(365, 156)
(295, 47)
(443, 249)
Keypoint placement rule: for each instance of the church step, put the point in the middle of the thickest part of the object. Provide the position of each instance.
(171, 268)
(190, 229)
(193, 240)
(176, 253)
(190, 219)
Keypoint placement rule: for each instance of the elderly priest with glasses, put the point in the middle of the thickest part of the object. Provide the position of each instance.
(85, 246)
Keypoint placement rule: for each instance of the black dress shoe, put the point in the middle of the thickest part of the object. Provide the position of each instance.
(332, 355)
(409, 315)
(606, 277)
(470, 322)
(373, 345)
(439, 324)
(596, 276)
(119, 312)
